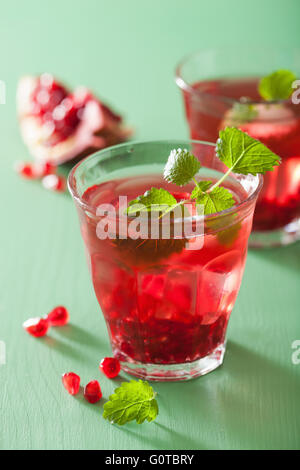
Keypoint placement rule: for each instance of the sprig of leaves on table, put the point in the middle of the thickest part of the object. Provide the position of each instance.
(134, 400)
(236, 149)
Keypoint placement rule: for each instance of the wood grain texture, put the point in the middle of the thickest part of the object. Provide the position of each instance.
(128, 57)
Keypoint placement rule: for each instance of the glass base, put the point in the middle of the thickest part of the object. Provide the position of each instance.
(283, 236)
(176, 372)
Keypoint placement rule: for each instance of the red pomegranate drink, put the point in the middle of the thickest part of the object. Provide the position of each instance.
(212, 105)
(163, 307)
(166, 301)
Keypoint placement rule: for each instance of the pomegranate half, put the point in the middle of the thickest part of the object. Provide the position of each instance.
(58, 126)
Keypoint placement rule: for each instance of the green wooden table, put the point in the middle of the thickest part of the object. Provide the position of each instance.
(126, 51)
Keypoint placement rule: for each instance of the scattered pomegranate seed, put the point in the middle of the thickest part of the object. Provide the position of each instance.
(45, 169)
(26, 170)
(92, 391)
(71, 382)
(36, 327)
(110, 366)
(54, 183)
(59, 316)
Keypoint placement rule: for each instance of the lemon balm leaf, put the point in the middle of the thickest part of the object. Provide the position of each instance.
(235, 148)
(277, 85)
(181, 167)
(153, 200)
(243, 154)
(201, 187)
(216, 200)
(134, 400)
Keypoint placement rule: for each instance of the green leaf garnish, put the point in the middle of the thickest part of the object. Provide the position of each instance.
(149, 252)
(216, 200)
(277, 85)
(181, 167)
(236, 149)
(154, 199)
(134, 400)
(200, 188)
(243, 154)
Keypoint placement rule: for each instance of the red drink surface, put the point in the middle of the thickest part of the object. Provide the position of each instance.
(163, 303)
(276, 125)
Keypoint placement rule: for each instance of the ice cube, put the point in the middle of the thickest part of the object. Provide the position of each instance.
(219, 282)
(271, 122)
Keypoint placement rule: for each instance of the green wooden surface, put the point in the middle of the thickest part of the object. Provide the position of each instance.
(126, 51)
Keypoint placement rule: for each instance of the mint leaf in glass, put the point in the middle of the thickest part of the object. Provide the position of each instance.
(277, 85)
(181, 167)
(200, 188)
(243, 154)
(236, 149)
(134, 400)
(148, 252)
(154, 199)
(216, 200)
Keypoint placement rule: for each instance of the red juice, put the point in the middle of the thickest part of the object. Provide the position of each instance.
(163, 302)
(277, 125)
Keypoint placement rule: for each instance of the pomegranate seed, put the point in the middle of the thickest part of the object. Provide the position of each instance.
(71, 382)
(92, 392)
(110, 366)
(54, 183)
(47, 95)
(36, 327)
(59, 316)
(45, 169)
(26, 170)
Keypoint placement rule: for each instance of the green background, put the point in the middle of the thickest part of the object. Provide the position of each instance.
(126, 51)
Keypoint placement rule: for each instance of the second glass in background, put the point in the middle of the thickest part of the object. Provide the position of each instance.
(215, 84)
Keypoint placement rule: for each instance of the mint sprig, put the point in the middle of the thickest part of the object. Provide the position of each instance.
(134, 400)
(243, 154)
(213, 200)
(181, 167)
(216, 200)
(153, 200)
(236, 149)
(277, 85)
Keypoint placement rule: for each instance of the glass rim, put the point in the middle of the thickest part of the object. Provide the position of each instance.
(74, 193)
(187, 87)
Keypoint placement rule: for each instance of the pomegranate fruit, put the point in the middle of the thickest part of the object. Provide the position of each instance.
(58, 126)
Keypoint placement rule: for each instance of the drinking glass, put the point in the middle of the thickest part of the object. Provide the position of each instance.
(166, 300)
(220, 88)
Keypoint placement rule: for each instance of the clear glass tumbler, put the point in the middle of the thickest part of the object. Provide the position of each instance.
(166, 300)
(220, 88)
